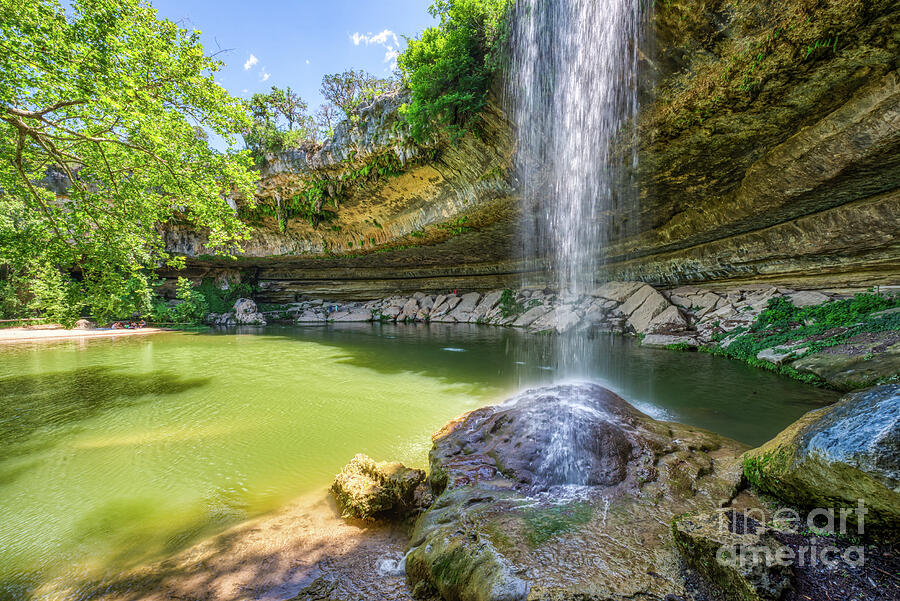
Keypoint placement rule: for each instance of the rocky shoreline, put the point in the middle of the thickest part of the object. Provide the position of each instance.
(863, 351)
(653, 511)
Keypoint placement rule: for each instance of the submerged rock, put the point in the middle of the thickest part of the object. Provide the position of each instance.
(564, 492)
(835, 456)
(369, 490)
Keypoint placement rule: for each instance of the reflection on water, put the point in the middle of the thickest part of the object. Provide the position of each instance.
(115, 452)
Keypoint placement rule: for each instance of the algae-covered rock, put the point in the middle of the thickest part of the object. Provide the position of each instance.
(743, 563)
(837, 456)
(369, 490)
(566, 492)
(849, 367)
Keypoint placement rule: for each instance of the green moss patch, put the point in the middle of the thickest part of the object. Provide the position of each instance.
(544, 523)
(809, 330)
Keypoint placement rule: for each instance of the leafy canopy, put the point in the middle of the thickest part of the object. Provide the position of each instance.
(100, 108)
(450, 68)
(346, 91)
(280, 121)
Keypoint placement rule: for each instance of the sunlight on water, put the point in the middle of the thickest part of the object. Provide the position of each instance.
(117, 452)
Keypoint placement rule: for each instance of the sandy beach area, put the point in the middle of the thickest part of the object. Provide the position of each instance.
(271, 558)
(48, 333)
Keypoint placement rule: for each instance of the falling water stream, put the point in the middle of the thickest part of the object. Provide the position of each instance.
(573, 95)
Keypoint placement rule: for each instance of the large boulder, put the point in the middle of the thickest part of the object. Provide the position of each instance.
(835, 456)
(246, 313)
(368, 490)
(564, 492)
(644, 306)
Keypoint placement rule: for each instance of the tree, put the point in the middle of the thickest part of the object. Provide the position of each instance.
(275, 117)
(288, 105)
(348, 89)
(326, 119)
(109, 96)
(450, 68)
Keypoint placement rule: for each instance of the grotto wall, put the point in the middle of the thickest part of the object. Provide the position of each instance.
(769, 151)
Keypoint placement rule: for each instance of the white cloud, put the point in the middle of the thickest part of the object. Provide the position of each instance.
(382, 39)
(391, 57)
(307, 61)
(263, 75)
(387, 38)
(250, 62)
(244, 91)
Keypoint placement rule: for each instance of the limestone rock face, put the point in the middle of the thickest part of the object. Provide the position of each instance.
(369, 490)
(833, 457)
(532, 492)
(785, 171)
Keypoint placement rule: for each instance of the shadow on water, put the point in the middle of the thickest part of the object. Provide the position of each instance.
(61, 400)
(232, 561)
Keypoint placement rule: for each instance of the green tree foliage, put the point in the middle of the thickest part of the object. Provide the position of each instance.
(346, 91)
(107, 97)
(326, 118)
(196, 302)
(280, 121)
(450, 68)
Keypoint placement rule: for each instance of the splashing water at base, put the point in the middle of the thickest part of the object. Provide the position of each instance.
(573, 94)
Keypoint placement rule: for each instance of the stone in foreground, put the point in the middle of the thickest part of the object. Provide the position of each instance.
(509, 524)
(834, 456)
(740, 565)
(368, 490)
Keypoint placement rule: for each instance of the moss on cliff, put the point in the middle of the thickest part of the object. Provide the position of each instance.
(774, 43)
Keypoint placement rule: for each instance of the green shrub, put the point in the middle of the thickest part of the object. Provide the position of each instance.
(508, 304)
(112, 295)
(56, 296)
(221, 300)
(161, 312)
(193, 306)
(450, 68)
(11, 305)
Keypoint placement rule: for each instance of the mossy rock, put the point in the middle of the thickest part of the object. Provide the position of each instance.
(507, 527)
(368, 490)
(835, 456)
(852, 370)
(740, 566)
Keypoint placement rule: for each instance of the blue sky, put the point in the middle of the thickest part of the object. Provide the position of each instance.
(295, 42)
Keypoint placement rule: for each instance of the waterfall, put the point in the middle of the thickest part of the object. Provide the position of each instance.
(572, 93)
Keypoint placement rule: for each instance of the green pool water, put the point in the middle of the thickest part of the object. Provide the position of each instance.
(118, 452)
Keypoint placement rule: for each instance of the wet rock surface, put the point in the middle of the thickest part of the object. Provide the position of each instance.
(836, 456)
(505, 527)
